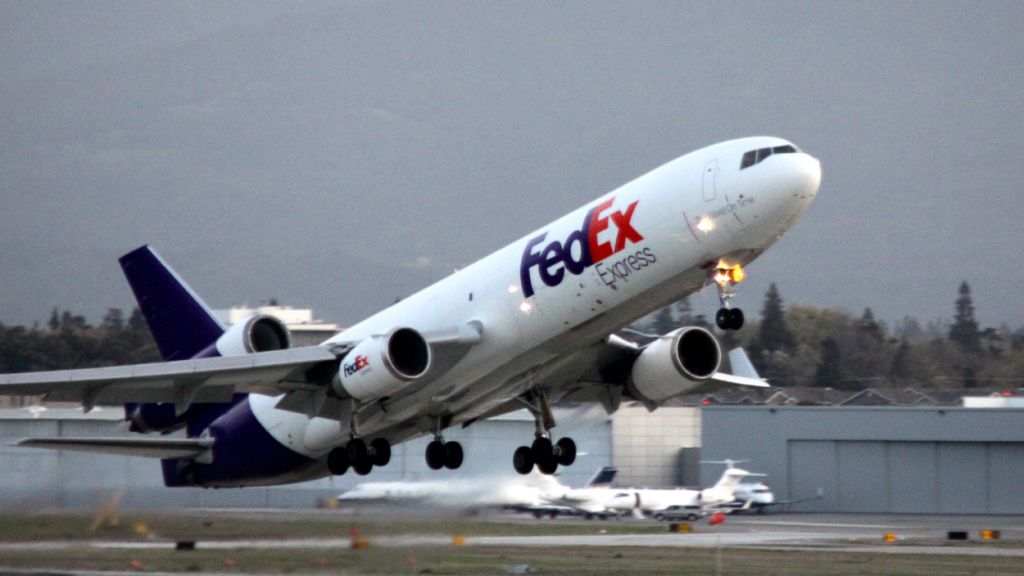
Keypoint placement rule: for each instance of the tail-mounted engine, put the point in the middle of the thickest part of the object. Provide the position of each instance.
(674, 364)
(379, 366)
(258, 333)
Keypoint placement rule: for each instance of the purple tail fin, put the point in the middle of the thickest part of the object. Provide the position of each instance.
(180, 322)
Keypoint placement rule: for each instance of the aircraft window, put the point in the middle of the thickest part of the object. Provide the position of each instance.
(756, 156)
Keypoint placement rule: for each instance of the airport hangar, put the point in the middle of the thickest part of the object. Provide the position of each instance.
(873, 451)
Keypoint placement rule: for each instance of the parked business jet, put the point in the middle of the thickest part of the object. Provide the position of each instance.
(529, 325)
(653, 501)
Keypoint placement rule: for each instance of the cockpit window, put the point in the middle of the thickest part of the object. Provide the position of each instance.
(756, 156)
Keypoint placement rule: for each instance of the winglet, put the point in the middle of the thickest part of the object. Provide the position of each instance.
(181, 324)
(741, 365)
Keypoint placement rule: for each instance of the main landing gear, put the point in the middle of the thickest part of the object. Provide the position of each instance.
(547, 456)
(359, 456)
(442, 454)
(356, 453)
(726, 277)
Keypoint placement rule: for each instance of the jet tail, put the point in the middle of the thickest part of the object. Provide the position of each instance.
(180, 322)
(603, 477)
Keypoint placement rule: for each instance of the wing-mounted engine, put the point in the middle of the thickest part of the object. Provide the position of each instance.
(674, 364)
(258, 333)
(379, 366)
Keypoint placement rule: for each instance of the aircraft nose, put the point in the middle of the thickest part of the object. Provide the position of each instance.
(803, 176)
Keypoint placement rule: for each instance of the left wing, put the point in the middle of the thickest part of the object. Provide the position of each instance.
(181, 381)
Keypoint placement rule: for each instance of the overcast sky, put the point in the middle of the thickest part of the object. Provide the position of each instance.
(340, 155)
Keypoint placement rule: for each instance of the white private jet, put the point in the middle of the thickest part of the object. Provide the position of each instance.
(533, 323)
(690, 502)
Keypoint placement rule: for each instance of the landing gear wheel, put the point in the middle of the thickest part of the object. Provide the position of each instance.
(566, 451)
(542, 448)
(452, 455)
(381, 450)
(522, 460)
(363, 467)
(436, 455)
(359, 456)
(736, 318)
(548, 466)
(544, 455)
(337, 461)
(729, 318)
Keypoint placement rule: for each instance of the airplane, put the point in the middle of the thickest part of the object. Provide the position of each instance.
(531, 324)
(692, 502)
(533, 494)
(591, 501)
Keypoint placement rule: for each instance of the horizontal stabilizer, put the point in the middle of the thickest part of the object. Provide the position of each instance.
(145, 447)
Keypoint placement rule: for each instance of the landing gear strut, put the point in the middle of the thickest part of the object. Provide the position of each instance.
(726, 278)
(543, 453)
(442, 454)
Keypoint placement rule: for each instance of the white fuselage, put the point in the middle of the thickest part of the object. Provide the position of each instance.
(652, 235)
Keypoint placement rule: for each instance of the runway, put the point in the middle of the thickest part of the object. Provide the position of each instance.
(817, 532)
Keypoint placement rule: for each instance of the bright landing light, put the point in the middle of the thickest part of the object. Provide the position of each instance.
(706, 224)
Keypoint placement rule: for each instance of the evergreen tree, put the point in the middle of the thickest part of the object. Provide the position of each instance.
(774, 334)
(964, 331)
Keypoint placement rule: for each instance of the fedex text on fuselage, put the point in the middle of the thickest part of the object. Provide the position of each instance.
(586, 247)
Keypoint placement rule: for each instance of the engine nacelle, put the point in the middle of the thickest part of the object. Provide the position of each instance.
(674, 364)
(258, 333)
(381, 365)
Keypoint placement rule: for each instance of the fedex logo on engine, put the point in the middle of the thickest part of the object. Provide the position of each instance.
(360, 363)
(584, 248)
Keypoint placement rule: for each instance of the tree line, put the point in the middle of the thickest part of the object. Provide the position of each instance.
(69, 341)
(792, 345)
(806, 346)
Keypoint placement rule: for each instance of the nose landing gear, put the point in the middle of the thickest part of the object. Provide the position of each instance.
(726, 277)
